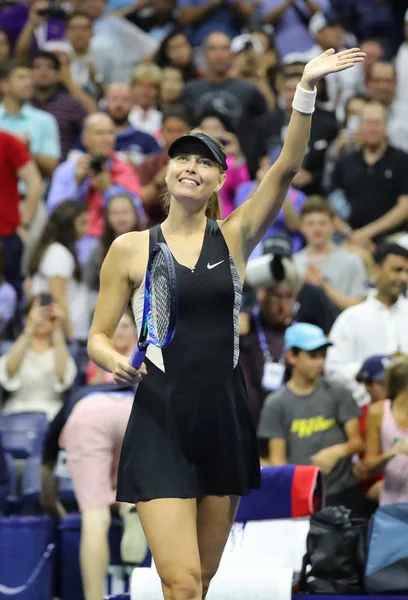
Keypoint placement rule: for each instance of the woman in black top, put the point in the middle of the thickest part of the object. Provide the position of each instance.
(190, 448)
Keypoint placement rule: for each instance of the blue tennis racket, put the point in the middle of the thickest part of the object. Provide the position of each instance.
(160, 304)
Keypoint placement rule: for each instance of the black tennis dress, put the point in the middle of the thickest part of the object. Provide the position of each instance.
(190, 432)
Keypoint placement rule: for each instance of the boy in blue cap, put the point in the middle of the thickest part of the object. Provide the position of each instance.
(311, 421)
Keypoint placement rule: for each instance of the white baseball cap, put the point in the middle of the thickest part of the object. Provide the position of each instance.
(244, 42)
(59, 46)
(319, 21)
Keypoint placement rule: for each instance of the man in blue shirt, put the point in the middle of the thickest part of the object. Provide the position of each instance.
(36, 128)
(202, 17)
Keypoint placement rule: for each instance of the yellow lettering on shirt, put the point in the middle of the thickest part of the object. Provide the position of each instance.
(307, 427)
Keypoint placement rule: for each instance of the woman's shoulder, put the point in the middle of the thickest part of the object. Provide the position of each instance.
(376, 410)
(131, 242)
(128, 255)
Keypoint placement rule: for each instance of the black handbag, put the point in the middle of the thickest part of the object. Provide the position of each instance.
(335, 553)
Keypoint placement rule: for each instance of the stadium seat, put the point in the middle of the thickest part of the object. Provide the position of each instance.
(22, 434)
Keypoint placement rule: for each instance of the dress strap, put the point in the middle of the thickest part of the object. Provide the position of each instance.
(212, 227)
(155, 236)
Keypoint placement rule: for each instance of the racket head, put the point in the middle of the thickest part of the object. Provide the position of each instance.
(160, 300)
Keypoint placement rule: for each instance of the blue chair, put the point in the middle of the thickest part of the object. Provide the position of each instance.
(22, 434)
(31, 488)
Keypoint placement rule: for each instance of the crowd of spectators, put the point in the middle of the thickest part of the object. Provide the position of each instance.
(92, 94)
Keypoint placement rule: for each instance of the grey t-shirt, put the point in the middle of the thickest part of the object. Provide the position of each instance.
(344, 270)
(311, 423)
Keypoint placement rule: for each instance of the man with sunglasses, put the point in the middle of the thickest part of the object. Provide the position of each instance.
(309, 421)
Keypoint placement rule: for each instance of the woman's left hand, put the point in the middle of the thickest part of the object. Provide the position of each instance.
(331, 62)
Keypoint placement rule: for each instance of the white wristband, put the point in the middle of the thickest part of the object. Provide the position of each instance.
(304, 101)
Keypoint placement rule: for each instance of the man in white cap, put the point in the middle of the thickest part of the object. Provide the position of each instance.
(247, 51)
(328, 32)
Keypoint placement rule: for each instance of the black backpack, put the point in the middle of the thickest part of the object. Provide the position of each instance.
(335, 553)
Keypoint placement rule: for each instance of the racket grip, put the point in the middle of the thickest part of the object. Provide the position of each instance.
(138, 357)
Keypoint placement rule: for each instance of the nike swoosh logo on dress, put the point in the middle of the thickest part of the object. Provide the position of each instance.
(214, 265)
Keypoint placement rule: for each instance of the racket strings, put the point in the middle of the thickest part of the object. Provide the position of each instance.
(160, 304)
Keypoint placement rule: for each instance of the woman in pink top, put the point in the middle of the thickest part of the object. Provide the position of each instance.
(387, 435)
(124, 342)
(216, 125)
(92, 438)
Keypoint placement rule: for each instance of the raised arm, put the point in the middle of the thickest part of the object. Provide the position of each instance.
(114, 295)
(257, 214)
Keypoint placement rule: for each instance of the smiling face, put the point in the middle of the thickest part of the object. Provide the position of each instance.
(392, 277)
(192, 178)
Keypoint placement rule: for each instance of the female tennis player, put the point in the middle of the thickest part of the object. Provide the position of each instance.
(190, 449)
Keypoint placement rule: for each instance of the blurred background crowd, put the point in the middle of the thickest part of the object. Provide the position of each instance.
(93, 92)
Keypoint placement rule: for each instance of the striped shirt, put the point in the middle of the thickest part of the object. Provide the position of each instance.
(69, 114)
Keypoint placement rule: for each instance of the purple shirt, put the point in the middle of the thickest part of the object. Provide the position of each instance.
(13, 19)
(8, 305)
(291, 33)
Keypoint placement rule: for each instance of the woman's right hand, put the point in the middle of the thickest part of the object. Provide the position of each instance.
(82, 168)
(123, 372)
(401, 447)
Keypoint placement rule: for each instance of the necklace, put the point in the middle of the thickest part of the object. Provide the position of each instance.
(194, 256)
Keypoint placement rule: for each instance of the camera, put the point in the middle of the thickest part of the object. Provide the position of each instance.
(53, 11)
(46, 299)
(97, 163)
(274, 265)
(268, 269)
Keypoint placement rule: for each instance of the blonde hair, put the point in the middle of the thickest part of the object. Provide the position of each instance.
(396, 379)
(213, 210)
(146, 72)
